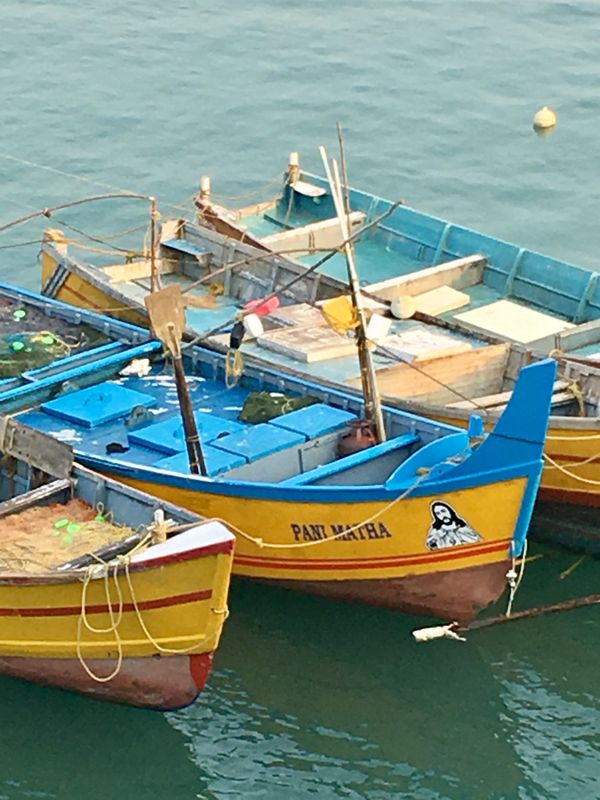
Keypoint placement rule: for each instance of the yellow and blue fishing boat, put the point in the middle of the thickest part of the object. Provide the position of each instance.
(98, 594)
(426, 521)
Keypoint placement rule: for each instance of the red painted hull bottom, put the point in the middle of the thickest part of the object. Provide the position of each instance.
(159, 682)
(456, 595)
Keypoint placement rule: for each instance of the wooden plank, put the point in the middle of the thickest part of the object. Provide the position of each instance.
(458, 273)
(35, 448)
(308, 344)
(422, 344)
(491, 400)
(123, 273)
(579, 336)
(471, 373)
(513, 321)
(438, 301)
(34, 497)
(325, 234)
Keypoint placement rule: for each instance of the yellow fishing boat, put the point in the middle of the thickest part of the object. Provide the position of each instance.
(98, 594)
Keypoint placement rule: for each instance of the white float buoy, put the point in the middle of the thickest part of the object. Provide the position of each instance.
(544, 118)
(403, 307)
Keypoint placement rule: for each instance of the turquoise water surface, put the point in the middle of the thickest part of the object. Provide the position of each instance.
(312, 698)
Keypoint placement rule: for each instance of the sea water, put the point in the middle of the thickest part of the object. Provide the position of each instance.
(313, 698)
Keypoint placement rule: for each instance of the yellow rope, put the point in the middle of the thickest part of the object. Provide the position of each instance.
(585, 461)
(234, 367)
(570, 474)
(260, 542)
(112, 628)
(115, 619)
(160, 648)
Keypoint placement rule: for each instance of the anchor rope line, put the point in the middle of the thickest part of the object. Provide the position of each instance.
(569, 473)
(74, 176)
(274, 182)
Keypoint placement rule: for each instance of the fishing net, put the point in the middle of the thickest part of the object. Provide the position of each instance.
(20, 352)
(263, 406)
(30, 338)
(40, 539)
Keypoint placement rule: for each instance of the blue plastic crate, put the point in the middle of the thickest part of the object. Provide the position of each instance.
(258, 441)
(216, 461)
(97, 404)
(315, 420)
(167, 437)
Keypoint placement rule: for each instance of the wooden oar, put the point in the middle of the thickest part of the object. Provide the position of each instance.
(167, 318)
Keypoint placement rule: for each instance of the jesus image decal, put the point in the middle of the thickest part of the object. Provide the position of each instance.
(448, 529)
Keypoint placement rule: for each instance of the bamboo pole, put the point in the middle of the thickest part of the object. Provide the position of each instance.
(373, 411)
(154, 282)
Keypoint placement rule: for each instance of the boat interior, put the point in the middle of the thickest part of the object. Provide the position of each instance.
(40, 338)
(136, 420)
(447, 271)
(218, 275)
(54, 513)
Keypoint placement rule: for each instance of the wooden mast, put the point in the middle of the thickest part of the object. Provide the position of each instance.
(368, 378)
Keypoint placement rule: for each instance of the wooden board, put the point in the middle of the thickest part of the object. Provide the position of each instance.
(513, 321)
(325, 234)
(308, 344)
(473, 373)
(300, 314)
(440, 300)
(459, 273)
(501, 398)
(422, 344)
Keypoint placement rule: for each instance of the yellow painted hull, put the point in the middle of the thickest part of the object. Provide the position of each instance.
(156, 629)
(79, 292)
(299, 541)
(175, 603)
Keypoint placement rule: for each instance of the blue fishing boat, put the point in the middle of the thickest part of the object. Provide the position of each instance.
(444, 269)
(425, 521)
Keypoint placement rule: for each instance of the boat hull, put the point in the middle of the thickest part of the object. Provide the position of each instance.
(455, 595)
(157, 682)
(384, 563)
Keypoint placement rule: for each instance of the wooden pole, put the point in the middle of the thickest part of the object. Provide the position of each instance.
(192, 437)
(167, 319)
(530, 613)
(373, 411)
(154, 283)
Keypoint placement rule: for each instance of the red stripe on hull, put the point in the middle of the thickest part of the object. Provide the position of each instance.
(75, 611)
(456, 595)
(375, 563)
(159, 682)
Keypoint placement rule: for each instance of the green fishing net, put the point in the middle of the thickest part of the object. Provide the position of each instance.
(263, 406)
(28, 350)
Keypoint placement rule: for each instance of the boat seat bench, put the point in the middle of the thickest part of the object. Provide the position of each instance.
(353, 460)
